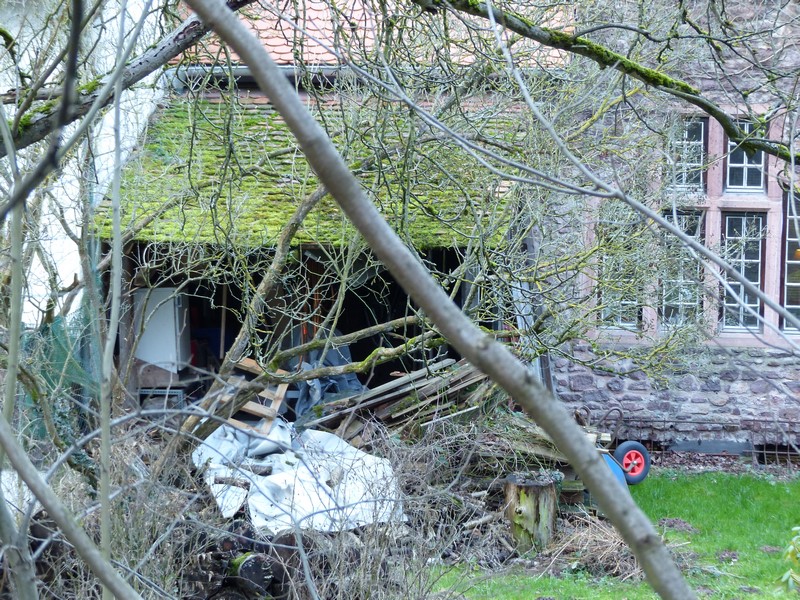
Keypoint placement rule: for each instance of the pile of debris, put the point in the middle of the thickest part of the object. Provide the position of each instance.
(445, 390)
(431, 486)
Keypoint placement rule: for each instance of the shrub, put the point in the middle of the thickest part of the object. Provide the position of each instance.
(792, 556)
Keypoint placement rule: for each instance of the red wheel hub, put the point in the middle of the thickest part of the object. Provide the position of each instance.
(633, 463)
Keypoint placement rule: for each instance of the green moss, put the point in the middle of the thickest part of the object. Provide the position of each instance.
(239, 179)
(8, 41)
(39, 111)
(236, 563)
(578, 45)
(89, 88)
(607, 58)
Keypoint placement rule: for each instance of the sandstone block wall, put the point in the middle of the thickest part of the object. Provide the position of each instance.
(743, 395)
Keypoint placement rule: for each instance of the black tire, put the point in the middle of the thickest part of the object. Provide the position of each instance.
(634, 459)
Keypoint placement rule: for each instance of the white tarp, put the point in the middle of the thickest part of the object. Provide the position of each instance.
(317, 481)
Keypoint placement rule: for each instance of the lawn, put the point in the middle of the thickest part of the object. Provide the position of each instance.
(729, 530)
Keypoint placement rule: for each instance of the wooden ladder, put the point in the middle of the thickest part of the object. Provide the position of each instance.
(267, 403)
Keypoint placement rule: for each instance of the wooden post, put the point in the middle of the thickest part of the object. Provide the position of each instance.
(532, 508)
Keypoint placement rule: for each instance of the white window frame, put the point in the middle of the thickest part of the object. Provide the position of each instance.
(619, 308)
(738, 160)
(681, 281)
(791, 281)
(737, 315)
(689, 154)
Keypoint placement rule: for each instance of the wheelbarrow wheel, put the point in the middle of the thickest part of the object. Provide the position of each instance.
(634, 459)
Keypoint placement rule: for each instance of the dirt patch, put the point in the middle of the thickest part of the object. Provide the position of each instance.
(696, 462)
(728, 557)
(677, 525)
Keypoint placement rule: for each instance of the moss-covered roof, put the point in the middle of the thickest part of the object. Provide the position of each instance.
(232, 174)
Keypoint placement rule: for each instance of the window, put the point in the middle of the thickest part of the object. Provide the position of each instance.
(689, 157)
(791, 275)
(745, 172)
(743, 242)
(618, 296)
(681, 274)
(624, 269)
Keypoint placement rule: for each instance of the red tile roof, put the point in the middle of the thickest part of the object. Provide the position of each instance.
(317, 32)
(310, 32)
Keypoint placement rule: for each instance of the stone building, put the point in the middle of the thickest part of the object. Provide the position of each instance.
(740, 381)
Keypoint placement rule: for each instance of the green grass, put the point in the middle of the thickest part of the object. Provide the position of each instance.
(736, 518)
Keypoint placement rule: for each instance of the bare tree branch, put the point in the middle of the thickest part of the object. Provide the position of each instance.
(44, 120)
(488, 355)
(607, 58)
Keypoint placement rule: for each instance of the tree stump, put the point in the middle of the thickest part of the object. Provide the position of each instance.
(532, 508)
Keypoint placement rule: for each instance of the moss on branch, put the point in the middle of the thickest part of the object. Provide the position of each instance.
(607, 58)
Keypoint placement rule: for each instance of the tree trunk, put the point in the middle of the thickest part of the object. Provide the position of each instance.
(531, 509)
(128, 375)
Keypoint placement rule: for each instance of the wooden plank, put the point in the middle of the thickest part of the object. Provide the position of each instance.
(413, 408)
(434, 410)
(383, 394)
(249, 365)
(277, 400)
(446, 385)
(246, 426)
(259, 410)
(406, 380)
(450, 416)
(344, 412)
(352, 430)
(280, 394)
(424, 402)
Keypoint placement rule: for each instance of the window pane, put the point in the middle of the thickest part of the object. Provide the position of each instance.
(749, 320)
(734, 226)
(694, 178)
(754, 178)
(792, 294)
(752, 272)
(731, 319)
(687, 150)
(752, 250)
(736, 176)
(694, 131)
(749, 298)
(745, 172)
(791, 276)
(755, 159)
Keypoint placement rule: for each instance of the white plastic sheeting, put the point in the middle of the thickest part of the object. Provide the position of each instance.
(317, 481)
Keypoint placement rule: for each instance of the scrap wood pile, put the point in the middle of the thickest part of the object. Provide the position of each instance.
(443, 391)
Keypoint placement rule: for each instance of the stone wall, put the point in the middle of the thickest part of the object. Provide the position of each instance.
(741, 395)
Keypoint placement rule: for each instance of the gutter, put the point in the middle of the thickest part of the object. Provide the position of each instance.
(183, 78)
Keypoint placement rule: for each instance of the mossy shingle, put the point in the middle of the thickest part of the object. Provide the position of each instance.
(232, 173)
